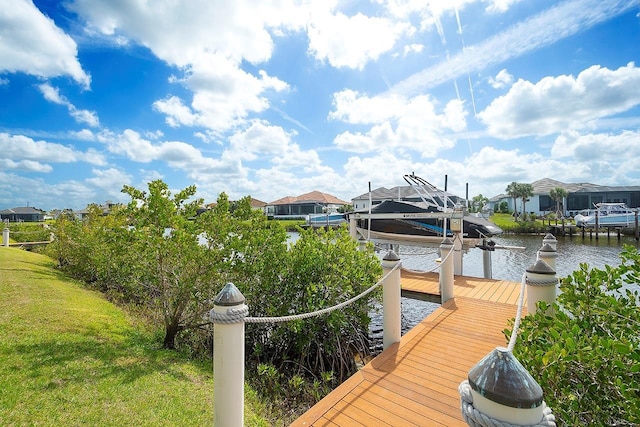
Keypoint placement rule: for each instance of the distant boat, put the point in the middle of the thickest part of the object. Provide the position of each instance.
(418, 230)
(608, 215)
(401, 220)
(334, 219)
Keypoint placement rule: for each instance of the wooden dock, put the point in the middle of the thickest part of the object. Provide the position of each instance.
(415, 382)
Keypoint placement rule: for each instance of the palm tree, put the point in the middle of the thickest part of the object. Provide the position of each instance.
(478, 202)
(558, 194)
(524, 192)
(512, 191)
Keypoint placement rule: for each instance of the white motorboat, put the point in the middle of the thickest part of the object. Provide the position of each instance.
(607, 215)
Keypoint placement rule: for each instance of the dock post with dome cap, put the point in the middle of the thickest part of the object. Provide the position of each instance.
(229, 311)
(500, 392)
(541, 283)
(548, 254)
(551, 240)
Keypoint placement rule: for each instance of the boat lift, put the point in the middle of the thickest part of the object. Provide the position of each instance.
(448, 211)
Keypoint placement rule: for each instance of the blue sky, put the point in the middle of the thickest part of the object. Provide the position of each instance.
(279, 98)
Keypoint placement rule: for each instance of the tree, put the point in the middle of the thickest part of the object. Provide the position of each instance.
(513, 191)
(558, 194)
(172, 271)
(586, 357)
(524, 192)
(478, 202)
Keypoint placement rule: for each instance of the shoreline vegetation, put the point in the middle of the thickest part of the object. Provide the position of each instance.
(69, 356)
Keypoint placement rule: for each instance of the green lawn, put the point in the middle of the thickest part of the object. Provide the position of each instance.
(68, 357)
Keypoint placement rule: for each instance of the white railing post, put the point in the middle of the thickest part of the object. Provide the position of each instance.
(5, 237)
(551, 240)
(391, 301)
(541, 281)
(228, 316)
(446, 270)
(548, 254)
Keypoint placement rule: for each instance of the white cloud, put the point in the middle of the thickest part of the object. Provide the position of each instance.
(557, 22)
(259, 139)
(208, 42)
(501, 80)
(500, 6)
(224, 95)
(31, 43)
(555, 104)
(43, 194)
(3, 81)
(597, 147)
(110, 181)
(412, 124)
(352, 41)
(52, 94)
(25, 166)
(413, 48)
(20, 147)
(178, 155)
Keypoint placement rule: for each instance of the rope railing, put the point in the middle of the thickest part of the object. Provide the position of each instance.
(476, 418)
(437, 267)
(237, 315)
(516, 323)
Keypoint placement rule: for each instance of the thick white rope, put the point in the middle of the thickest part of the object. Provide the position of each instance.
(516, 324)
(475, 418)
(237, 315)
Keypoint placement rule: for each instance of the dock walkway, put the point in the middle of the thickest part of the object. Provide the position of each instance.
(415, 382)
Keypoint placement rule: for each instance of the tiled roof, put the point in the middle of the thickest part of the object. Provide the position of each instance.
(314, 196)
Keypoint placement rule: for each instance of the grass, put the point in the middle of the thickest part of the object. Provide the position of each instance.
(69, 357)
(509, 225)
(291, 224)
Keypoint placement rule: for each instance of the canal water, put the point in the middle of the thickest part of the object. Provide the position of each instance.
(506, 265)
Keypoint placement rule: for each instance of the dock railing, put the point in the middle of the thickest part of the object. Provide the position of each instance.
(230, 313)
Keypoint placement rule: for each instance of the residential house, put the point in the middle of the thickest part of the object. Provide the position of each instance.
(20, 214)
(303, 205)
(579, 196)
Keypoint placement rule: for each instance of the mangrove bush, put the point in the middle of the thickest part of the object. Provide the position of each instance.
(586, 356)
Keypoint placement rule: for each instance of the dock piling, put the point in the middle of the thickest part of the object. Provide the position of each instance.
(446, 275)
(391, 301)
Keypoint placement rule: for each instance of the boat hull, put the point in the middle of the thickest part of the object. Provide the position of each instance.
(420, 228)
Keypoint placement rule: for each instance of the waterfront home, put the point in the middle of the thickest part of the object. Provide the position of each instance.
(20, 214)
(304, 204)
(579, 196)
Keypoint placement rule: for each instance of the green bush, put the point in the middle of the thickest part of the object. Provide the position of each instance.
(29, 231)
(158, 255)
(586, 357)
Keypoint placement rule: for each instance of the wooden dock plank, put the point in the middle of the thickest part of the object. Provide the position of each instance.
(415, 382)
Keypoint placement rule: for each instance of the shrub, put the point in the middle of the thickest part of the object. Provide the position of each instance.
(587, 357)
